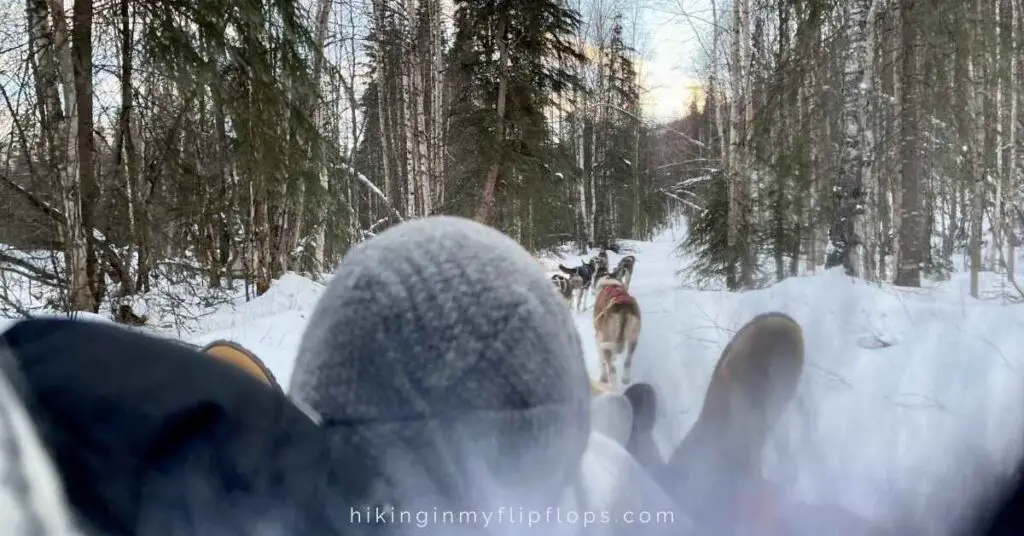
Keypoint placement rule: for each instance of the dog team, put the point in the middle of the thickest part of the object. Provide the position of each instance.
(616, 312)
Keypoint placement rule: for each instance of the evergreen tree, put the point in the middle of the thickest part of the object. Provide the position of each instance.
(536, 37)
(707, 239)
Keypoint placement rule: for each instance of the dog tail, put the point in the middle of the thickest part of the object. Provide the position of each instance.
(620, 337)
(630, 331)
(566, 269)
(626, 331)
(612, 340)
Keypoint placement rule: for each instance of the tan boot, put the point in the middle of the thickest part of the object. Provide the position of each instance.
(237, 355)
(752, 384)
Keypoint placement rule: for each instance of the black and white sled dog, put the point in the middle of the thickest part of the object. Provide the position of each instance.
(585, 272)
(624, 270)
(600, 269)
(601, 261)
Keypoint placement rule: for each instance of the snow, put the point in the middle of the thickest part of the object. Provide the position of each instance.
(270, 326)
(908, 397)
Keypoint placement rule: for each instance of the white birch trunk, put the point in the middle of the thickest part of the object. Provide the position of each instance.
(437, 105)
(740, 115)
(323, 15)
(735, 100)
(408, 97)
(592, 175)
(418, 62)
(866, 226)
(995, 249)
(73, 230)
(1011, 164)
(714, 88)
(581, 186)
(747, 174)
(853, 158)
(977, 173)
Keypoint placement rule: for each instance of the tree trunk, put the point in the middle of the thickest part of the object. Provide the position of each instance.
(895, 192)
(75, 163)
(866, 226)
(483, 213)
(323, 16)
(410, 97)
(747, 255)
(908, 266)
(128, 157)
(968, 118)
(420, 63)
(436, 134)
(845, 241)
(734, 231)
(1011, 132)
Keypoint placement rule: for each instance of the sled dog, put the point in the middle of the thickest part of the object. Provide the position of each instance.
(616, 327)
(585, 272)
(624, 270)
(567, 285)
(601, 261)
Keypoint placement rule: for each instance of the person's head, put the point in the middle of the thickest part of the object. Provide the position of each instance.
(443, 361)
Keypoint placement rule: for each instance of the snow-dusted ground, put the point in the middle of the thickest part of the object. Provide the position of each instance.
(907, 397)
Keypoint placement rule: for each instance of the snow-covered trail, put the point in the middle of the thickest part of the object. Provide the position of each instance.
(670, 353)
(908, 399)
(907, 396)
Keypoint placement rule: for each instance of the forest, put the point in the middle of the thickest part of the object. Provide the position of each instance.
(232, 141)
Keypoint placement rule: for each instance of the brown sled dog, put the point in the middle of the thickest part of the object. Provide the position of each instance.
(616, 327)
(566, 286)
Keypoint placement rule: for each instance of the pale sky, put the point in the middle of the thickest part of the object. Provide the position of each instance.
(673, 49)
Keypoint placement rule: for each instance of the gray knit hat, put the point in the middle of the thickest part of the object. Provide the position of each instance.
(446, 368)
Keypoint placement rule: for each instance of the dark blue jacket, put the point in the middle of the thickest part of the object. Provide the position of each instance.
(152, 438)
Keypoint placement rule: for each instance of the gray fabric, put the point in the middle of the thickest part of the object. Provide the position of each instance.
(644, 401)
(32, 501)
(615, 483)
(447, 370)
(641, 445)
(612, 416)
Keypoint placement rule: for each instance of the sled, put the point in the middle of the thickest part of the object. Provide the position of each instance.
(602, 388)
(235, 354)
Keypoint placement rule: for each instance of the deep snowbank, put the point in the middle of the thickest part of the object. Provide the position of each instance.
(909, 396)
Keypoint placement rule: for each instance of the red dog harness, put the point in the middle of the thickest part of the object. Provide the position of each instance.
(612, 295)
